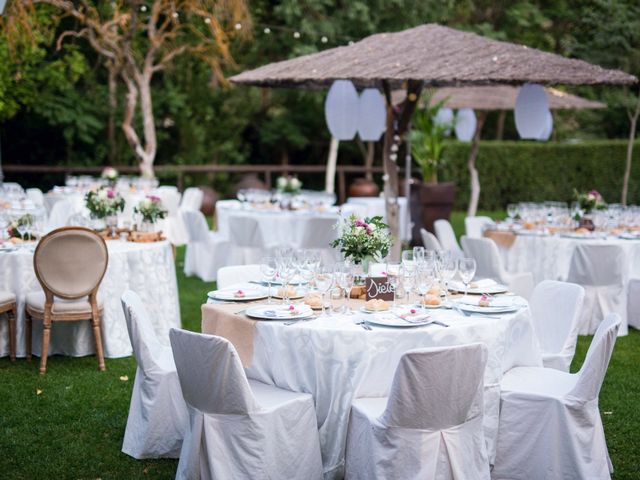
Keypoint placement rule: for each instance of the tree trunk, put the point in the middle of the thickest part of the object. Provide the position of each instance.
(371, 148)
(148, 125)
(500, 128)
(396, 128)
(632, 136)
(330, 179)
(113, 105)
(473, 172)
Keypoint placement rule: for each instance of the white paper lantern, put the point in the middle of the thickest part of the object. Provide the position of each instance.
(341, 110)
(546, 133)
(532, 109)
(372, 115)
(465, 124)
(445, 117)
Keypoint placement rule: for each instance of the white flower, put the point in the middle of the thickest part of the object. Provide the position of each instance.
(102, 194)
(372, 227)
(146, 203)
(281, 182)
(295, 183)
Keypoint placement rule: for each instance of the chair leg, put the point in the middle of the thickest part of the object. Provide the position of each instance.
(27, 334)
(97, 334)
(12, 333)
(46, 334)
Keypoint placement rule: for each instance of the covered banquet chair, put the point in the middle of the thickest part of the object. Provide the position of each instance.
(69, 263)
(447, 238)
(240, 428)
(233, 274)
(600, 269)
(158, 416)
(206, 250)
(9, 307)
(489, 265)
(474, 226)
(556, 308)
(550, 425)
(430, 426)
(429, 240)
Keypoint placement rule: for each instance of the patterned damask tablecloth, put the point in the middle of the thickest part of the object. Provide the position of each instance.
(146, 268)
(336, 361)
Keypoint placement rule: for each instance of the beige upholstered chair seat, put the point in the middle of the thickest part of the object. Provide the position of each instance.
(6, 297)
(35, 305)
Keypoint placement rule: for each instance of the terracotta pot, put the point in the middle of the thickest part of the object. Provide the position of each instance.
(430, 202)
(361, 187)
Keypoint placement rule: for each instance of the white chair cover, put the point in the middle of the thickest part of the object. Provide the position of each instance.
(431, 424)
(556, 308)
(550, 426)
(240, 428)
(447, 237)
(429, 240)
(60, 214)
(474, 226)
(171, 225)
(36, 196)
(206, 251)
(192, 199)
(158, 417)
(633, 303)
(489, 265)
(599, 269)
(228, 276)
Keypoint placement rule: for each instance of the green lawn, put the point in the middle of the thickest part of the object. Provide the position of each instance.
(70, 423)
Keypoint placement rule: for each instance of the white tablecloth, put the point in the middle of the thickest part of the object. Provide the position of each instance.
(336, 360)
(295, 229)
(549, 257)
(146, 268)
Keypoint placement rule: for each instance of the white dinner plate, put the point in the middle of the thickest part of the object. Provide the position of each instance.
(279, 312)
(230, 294)
(366, 310)
(388, 319)
(629, 236)
(433, 307)
(483, 286)
(296, 280)
(498, 305)
(291, 297)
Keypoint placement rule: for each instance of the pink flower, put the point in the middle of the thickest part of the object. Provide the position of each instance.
(291, 308)
(153, 198)
(110, 193)
(595, 194)
(413, 310)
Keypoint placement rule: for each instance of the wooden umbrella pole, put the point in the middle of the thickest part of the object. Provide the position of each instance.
(471, 164)
(397, 124)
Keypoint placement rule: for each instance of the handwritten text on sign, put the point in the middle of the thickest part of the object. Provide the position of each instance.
(379, 287)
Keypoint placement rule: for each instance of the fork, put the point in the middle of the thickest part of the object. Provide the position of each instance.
(363, 324)
(469, 314)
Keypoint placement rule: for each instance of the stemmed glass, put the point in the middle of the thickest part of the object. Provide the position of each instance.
(407, 275)
(268, 268)
(512, 211)
(467, 270)
(393, 272)
(324, 282)
(449, 269)
(285, 271)
(423, 280)
(419, 255)
(344, 279)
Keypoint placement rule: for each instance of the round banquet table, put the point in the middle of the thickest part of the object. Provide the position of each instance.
(274, 229)
(146, 268)
(336, 360)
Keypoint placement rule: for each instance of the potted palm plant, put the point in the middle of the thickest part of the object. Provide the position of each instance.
(433, 200)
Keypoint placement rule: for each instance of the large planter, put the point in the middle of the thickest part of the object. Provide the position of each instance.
(430, 202)
(361, 187)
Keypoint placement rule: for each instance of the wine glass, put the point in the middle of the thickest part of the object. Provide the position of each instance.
(324, 282)
(408, 260)
(423, 281)
(286, 271)
(407, 275)
(449, 270)
(268, 268)
(467, 270)
(344, 279)
(419, 255)
(512, 211)
(393, 272)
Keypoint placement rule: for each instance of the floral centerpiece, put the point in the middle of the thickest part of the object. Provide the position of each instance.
(589, 201)
(362, 240)
(151, 209)
(110, 174)
(104, 202)
(288, 184)
(23, 221)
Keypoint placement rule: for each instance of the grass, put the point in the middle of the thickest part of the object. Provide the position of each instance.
(70, 423)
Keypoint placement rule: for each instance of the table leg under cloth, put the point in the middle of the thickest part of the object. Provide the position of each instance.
(337, 361)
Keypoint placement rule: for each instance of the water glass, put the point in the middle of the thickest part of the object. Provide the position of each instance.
(268, 268)
(467, 270)
(393, 274)
(286, 271)
(344, 278)
(324, 282)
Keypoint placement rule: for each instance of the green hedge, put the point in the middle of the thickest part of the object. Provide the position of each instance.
(531, 171)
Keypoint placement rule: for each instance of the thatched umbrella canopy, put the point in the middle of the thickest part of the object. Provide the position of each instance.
(426, 56)
(503, 97)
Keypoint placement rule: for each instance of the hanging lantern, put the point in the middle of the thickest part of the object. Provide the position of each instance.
(546, 133)
(372, 115)
(445, 117)
(532, 111)
(341, 110)
(465, 124)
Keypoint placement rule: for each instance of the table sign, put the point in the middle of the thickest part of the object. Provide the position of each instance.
(378, 287)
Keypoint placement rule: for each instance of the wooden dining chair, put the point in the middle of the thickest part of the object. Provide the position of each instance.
(8, 306)
(69, 263)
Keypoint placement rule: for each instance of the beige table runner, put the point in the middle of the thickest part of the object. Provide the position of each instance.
(223, 321)
(503, 239)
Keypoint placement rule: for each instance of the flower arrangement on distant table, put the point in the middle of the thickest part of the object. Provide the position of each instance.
(24, 221)
(110, 174)
(151, 209)
(363, 239)
(589, 201)
(288, 184)
(104, 202)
